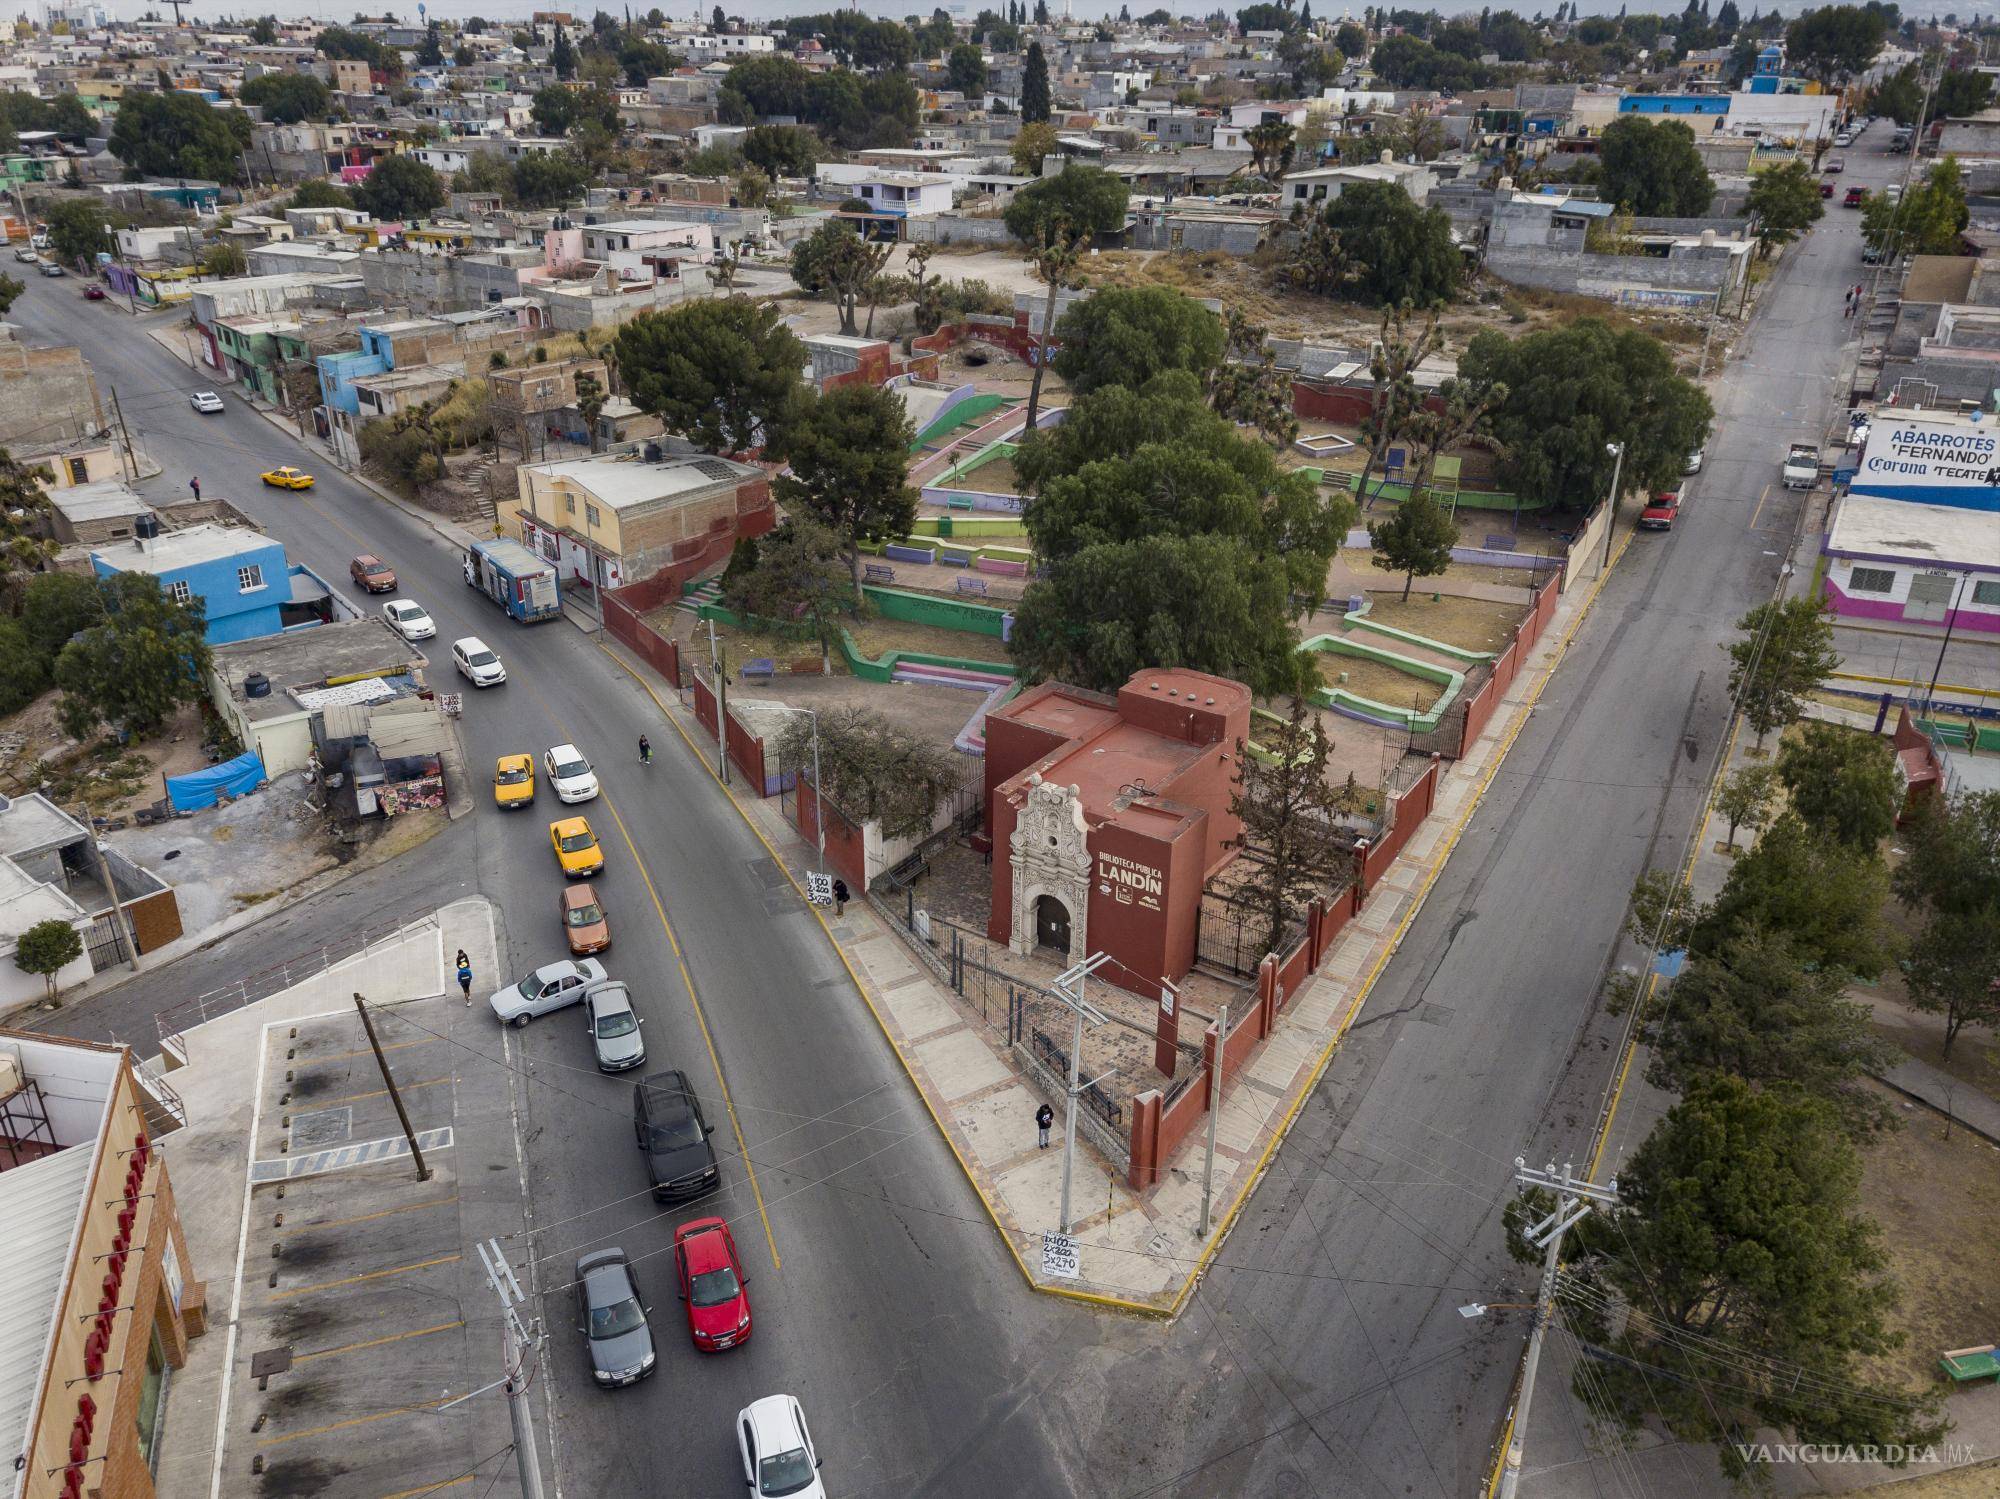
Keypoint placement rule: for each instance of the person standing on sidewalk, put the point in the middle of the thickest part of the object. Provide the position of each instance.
(195, 485)
(1044, 1118)
(465, 976)
(840, 897)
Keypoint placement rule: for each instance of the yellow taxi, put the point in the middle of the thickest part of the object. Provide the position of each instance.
(576, 847)
(288, 478)
(514, 781)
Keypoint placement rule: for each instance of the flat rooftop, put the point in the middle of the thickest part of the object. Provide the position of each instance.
(307, 658)
(25, 900)
(1866, 526)
(173, 550)
(1123, 755)
(107, 499)
(32, 823)
(626, 480)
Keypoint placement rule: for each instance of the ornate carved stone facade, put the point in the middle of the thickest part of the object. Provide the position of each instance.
(1050, 855)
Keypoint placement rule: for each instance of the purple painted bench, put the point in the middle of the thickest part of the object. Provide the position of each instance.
(1003, 567)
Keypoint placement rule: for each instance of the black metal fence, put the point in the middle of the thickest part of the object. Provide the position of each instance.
(1233, 936)
(1057, 1061)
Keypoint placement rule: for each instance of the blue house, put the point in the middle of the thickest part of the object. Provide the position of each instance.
(1675, 106)
(241, 576)
(338, 372)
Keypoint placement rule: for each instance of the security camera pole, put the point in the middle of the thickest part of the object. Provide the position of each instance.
(1068, 988)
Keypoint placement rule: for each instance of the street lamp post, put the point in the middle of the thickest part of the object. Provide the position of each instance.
(1617, 451)
(1067, 987)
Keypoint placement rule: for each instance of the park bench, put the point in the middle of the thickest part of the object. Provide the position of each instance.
(974, 586)
(875, 572)
(762, 669)
(958, 502)
(1970, 1365)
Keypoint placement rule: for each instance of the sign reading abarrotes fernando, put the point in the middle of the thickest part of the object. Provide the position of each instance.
(1932, 462)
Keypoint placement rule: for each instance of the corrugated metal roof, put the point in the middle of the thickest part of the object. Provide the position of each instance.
(40, 1203)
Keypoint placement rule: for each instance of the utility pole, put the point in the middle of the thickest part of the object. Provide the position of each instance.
(1617, 450)
(722, 710)
(125, 434)
(1574, 1199)
(389, 1081)
(118, 916)
(1214, 1110)
(518, 1345)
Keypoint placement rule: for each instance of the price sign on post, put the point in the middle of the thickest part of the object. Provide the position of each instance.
(819, 889)
(1059, 1257)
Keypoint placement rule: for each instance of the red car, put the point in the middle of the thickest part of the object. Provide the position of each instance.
(712, 1284)
(93, 294)
(1826, 189)
(1659, 516)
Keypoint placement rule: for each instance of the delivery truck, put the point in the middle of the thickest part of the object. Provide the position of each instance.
(515, 579)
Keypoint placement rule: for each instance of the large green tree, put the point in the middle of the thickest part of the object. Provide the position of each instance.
(398, 188)
(1076, 201)
(848, 459)
(1037, 104)
(836, 262)
(1415, 541)
(1736, 1286)
(1571, 391)
(179, 134)
(1843, 783)
(967, 70)
(135, 669)
(1653, 170)
(287, 98)
(1127, 335)
(798, 582)
(1753, 1007)
(1785, 201)
(724, 373)
(24, 509)
(1835, 42)
(1950, 876)
(782, 150)
(1822, 897)
(1929, 219)
(1899, 96)
(558, 109)
(548, 179)
(1375, 245)
(1783, 652)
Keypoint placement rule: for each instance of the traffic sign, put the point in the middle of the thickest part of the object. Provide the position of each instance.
(819, 889)
(1059, 1257)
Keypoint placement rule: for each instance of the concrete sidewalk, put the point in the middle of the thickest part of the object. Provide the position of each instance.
(1139, 1252)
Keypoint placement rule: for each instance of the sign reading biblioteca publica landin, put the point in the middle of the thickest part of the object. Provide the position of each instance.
(1932, 460)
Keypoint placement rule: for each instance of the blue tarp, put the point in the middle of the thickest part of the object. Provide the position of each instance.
(199, 788)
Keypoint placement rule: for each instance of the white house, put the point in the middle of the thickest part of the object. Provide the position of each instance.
(1324, 184)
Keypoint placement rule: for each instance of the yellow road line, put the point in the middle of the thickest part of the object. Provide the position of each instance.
(408, 1207)
(355, 1280)
(320, 1431)
(430, 1488)
(342, 1056)
(1759, 510)
(394, 1337)
(333, 1103)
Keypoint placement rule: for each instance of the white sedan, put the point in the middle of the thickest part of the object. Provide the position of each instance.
(777, 1450)
(407, 618)
(206, 401)
(551, 987)
(569, 773)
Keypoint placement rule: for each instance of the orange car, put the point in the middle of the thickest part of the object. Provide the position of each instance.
(583, 919)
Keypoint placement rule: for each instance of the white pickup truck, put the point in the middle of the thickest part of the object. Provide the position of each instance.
(1801, 466)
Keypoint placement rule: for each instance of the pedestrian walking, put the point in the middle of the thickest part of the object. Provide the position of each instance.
(840, 897)
(465, 976)
(1044, 1117)
(195, 485)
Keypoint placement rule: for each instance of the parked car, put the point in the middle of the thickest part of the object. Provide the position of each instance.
(1660, 514)
(207, 402)
(25, 255)
(93, 293)
(1837, 163)
(582, 915)
(372, 573)
(569, 773)
(514, 786)
(50, 268)
(1855, 194)
(408, 619)
(1844, 139)
(576, 847)
(552, 987)
(288, 478)
(673, 1136)
(1693, 465)
(712, 1284)
(778, 1455)
(614, 1028)
(476, 662)
(612, 1319)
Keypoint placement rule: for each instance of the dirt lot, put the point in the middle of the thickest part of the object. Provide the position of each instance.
(873, 636)
(1469, 624)
(994, 476)
(1938, 1201)
(1377, 681)
(112, 780)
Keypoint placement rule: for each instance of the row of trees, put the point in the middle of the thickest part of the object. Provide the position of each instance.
(1736, 1285)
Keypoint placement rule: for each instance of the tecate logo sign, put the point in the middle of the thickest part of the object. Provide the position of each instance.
(1915, 452)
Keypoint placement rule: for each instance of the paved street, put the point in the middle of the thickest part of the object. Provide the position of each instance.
(1324, 1354)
